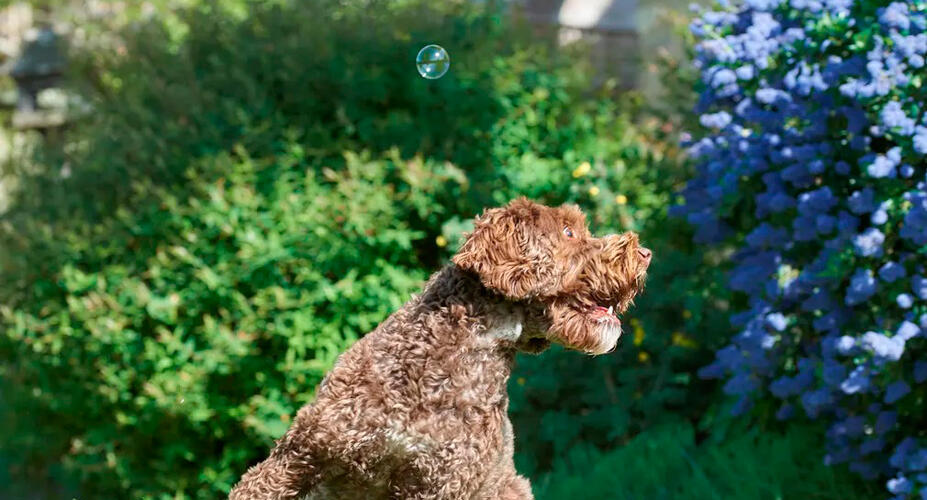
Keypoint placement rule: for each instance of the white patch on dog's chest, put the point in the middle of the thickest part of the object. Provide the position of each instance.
(404, 443)
(507, 324)
(510, 332)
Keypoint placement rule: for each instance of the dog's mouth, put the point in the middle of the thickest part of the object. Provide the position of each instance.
(608, 331)
(605, 315)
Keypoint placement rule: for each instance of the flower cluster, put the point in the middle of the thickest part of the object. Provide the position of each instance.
(812, 164)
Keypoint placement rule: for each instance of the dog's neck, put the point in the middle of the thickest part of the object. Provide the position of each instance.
(471, 336)
(498, 322)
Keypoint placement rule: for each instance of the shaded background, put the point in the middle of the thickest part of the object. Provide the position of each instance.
(217, 198)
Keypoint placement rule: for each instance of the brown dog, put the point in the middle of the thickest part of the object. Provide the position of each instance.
(416, 409)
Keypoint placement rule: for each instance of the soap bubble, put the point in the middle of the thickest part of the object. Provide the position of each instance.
(432, 62)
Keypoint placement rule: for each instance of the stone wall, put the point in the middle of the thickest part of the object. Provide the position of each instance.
(608, 27)
(624, 36)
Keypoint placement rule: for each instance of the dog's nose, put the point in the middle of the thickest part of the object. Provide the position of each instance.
(645, 253)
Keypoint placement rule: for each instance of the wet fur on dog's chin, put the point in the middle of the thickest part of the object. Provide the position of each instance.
(575, 327)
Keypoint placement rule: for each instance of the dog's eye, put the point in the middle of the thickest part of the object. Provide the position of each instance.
(568, 232)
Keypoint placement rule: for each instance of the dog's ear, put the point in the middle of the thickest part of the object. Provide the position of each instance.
(510, 249)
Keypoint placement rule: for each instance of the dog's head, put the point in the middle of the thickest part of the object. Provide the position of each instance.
(546, 256)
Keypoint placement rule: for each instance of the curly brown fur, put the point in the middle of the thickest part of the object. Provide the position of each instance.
(416, 409)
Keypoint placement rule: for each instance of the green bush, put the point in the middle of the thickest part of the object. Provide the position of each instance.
(168, 306)
(666, 463)
(199, 324)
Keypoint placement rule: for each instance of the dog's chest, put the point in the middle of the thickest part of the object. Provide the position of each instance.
(399, 450)
(344, 490)
(506, 323)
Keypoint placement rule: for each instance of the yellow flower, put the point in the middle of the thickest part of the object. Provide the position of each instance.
(639, 335)
(682, 340)
(521, 381)
(686, 314)
(593, 191)
(621, 199)
(643, 357)
(583, 169)
(441, 241)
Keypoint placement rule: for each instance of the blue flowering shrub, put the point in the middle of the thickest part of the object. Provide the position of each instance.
(811, 164)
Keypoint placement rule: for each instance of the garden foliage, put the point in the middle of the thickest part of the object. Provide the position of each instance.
(260, 185)
(665, 463)
(812, 164)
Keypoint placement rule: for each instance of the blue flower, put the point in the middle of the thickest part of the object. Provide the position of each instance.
(815, 401)
(763, 5)
(862, 286)
(920, 371)
(845, 344)
(723, 77)
(884, 348)
(894, 117)
(838, 6)
(851, 427)
(816, 202)
(828, 322)
(899, 486)
(906, 447)
(907, 330)
(766, 236)
(771, 96)
(805, 228)
(919, 286)
(785, 412)
(753, 270)
(825, 223)
(914, 226)
(846, 223)
(870, 446)
(920, 139)
(720, 119)
(745, 72)
(918, 460)
(880, 216)
(891, 271)
(858, 381)
(869, 243)
(777, 321)
(741, 383)
(885, 421)
(812, 117)
(884, 165)
(895, 391)
(862, 201)
(783, 387)
(895, 16)
(833, 373)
